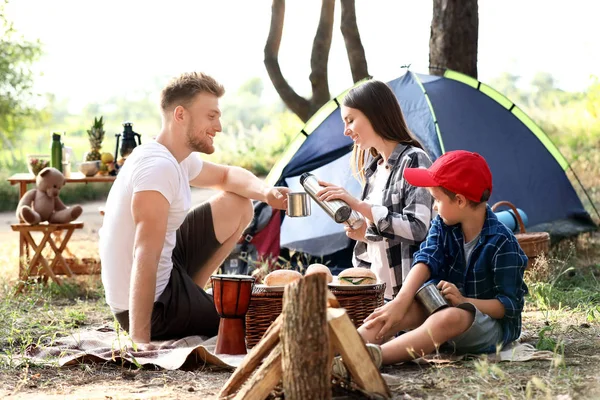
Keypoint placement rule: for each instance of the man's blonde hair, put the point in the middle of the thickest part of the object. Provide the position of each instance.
(183, 89)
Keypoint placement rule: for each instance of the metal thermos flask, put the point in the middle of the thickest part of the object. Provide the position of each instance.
(339, 210)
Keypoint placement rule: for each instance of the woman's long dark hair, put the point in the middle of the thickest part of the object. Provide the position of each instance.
(378, 103)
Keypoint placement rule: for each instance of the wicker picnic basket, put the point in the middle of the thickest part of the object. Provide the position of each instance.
(265, 307)
(359, 302)
(534, 244)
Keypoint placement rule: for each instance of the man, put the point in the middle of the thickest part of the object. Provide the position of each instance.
(156, 256)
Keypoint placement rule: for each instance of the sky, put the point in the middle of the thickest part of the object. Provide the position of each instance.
(97, 49)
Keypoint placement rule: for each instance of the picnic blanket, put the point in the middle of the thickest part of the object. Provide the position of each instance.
(104, 344)
(514, 351)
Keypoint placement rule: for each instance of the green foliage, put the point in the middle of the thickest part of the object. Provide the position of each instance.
(548, 341)
(254, 135)
(16, 80)
(256, 149)
(565, 287)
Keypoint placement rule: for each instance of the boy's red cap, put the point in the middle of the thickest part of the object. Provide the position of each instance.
(459, 171)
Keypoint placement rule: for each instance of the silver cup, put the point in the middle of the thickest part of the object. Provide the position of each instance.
(298, 204)
(431, 298)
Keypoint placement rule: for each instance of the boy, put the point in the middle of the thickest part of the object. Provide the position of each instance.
(475, 260)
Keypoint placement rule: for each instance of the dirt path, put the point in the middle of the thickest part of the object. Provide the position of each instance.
(91, 217)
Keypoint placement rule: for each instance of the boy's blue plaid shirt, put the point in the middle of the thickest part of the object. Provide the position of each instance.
(495, 270)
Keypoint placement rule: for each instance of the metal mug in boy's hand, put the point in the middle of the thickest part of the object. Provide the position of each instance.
(298, 204)
(431, 298)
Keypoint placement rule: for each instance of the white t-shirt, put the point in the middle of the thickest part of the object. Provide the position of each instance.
(150, 167)
(376, 252)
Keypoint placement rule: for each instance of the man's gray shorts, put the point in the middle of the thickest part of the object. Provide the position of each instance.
(482, 337)
(185, 309)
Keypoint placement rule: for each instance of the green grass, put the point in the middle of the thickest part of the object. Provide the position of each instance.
(559, 317)
(44, 312)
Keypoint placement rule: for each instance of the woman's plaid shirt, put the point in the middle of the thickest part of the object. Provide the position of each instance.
(403, 219)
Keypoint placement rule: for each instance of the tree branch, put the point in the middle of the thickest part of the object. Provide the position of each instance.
(354, 47)
(298, 104)
(320, 56)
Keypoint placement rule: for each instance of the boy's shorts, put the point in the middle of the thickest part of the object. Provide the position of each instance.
(482, 337)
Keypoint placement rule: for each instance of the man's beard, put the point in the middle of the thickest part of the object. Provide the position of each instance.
(198, 145)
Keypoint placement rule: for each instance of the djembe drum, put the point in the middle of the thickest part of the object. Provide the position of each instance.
(231, 295)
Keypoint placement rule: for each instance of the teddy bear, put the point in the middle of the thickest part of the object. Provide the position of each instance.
(42, 204)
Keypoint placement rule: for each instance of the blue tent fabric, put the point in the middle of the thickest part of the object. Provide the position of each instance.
(417, 113)
(524, 172)
(320, 147)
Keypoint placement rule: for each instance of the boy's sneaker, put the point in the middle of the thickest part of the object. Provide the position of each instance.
(339, 368)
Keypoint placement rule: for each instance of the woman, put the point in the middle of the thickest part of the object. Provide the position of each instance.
(398, 214)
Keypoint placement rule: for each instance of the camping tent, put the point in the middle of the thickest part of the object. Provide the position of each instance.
(446, 113)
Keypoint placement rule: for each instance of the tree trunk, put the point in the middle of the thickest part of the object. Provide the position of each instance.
(305, 108)
(305, 360)
(454, 35)
(298, 104)
(354, 47)
(320, 57)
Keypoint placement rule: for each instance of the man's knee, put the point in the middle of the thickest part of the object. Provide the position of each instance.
(236, 204)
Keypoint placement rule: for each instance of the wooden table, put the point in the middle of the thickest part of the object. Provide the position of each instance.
(76, 265)
(23, 179)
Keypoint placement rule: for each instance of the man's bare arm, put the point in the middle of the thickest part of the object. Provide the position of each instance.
(239, 181)
(150, 210)
(230, 179)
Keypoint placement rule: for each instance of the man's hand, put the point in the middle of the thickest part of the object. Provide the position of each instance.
(387, 316)
(276, 197)
(451, 293)
(358, 233)
(143, 347)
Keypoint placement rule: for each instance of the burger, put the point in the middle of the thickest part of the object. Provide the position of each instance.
(282, 277)
(319, 269)
(357, 276)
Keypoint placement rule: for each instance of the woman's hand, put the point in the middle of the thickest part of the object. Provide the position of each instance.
(387, 316)
(451, 293)
(358, 233)
(332, 192)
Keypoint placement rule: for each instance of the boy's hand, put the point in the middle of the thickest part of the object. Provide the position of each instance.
(387, 315)
(451, 293)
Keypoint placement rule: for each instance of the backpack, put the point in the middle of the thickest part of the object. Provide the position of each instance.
(259, 242)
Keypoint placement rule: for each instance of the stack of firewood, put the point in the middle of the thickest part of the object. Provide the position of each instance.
(298, 348)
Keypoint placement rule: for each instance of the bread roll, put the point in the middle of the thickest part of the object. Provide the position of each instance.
(357, 276)
(319, 269)
(282, 277)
